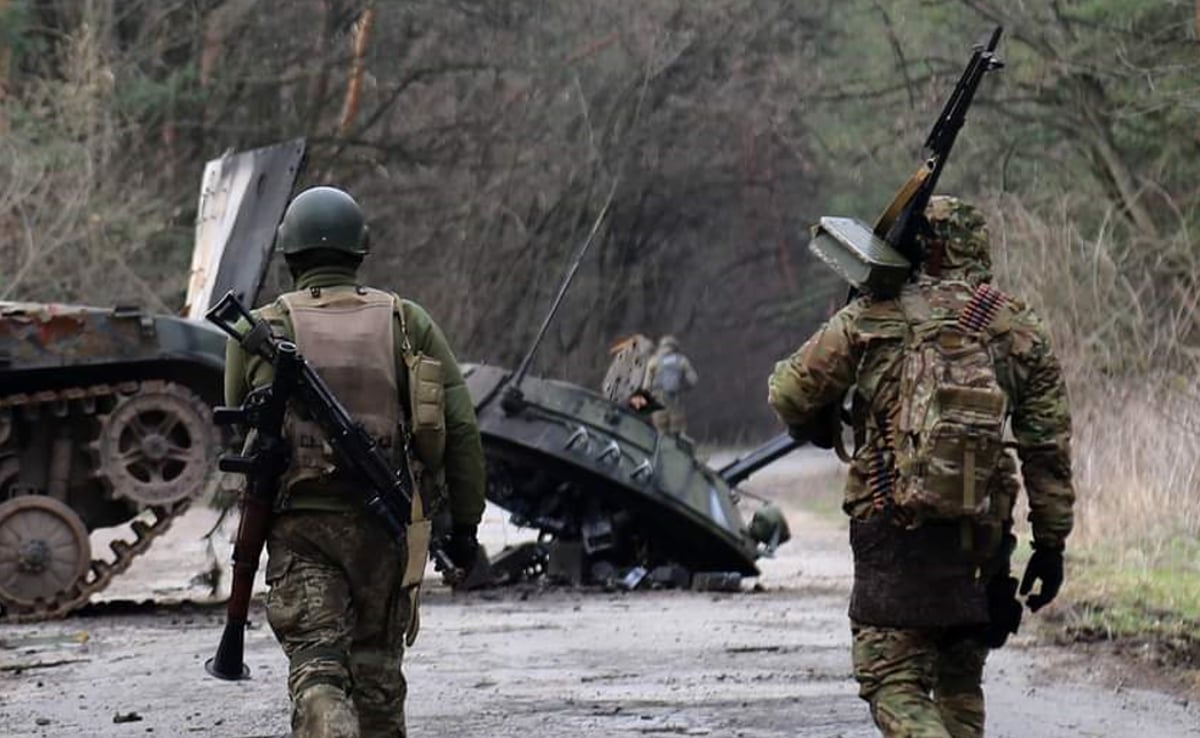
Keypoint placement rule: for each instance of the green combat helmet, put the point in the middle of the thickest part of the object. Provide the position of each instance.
(323, 218)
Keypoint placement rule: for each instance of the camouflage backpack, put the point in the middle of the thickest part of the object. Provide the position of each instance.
(950, 431)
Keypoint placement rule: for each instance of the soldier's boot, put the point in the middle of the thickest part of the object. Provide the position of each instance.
(324, 711)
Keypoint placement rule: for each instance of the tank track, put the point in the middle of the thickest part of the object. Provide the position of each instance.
(85, 400)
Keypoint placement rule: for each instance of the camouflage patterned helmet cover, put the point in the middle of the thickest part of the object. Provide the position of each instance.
(668, 343)
(962, 233)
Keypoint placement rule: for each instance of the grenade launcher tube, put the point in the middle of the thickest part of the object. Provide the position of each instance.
(264, 469)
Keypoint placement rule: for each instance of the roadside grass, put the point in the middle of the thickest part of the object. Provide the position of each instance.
(1134, 592)
(1142, 604)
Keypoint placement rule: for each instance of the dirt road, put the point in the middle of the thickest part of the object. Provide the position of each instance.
(524, 663)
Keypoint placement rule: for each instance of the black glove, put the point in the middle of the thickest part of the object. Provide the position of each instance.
(822, 430)
(1046, 565)
(1004, 611)
(463, 546)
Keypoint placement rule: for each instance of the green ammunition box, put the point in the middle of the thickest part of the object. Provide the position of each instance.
(866, 261)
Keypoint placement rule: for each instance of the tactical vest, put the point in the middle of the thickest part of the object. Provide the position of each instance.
(347, 336)
(669, 375)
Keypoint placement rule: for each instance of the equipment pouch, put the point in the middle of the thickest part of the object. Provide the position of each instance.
(427, 398)
(414, 618)
(417, 541)
(1004, 611)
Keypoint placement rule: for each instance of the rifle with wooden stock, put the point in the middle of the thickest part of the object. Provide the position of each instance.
(879, 259)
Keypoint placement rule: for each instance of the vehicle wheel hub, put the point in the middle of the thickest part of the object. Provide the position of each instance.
(44, 550)
(157, 445)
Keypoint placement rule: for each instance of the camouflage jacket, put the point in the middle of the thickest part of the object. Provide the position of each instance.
(862, 347)
(464, 468)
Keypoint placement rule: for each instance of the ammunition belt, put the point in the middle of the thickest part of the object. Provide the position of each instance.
(982, 308)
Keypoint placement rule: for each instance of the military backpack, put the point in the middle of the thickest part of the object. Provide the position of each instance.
(950, 430)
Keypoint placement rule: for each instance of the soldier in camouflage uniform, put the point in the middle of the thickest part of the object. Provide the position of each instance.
(343, 593)
(669, 374)
(931, 596)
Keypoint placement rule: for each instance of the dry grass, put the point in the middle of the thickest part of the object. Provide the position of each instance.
(1137, 464)
(1123, 313)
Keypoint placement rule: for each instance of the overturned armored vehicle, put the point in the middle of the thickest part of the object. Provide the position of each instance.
(613, 499)
(105, 419)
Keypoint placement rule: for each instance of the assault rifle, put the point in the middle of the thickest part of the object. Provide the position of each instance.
(386, 492)
(880, 259)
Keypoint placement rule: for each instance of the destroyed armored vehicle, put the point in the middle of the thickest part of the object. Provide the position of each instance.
(105, 419)
(104, 413)
(613, 499)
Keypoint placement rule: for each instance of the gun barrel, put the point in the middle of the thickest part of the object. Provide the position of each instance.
(740, 469)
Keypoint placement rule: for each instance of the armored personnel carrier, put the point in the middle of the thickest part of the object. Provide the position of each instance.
(105, 419)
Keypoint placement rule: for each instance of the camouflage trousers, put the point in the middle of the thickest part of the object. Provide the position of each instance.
(921, 683)
(671, 418)
(337, 607)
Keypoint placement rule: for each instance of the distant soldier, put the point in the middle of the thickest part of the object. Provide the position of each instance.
(625, 380)
(669, 375)
(939, 372)
(343, 598)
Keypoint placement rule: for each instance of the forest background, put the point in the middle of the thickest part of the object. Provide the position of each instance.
(483, 138)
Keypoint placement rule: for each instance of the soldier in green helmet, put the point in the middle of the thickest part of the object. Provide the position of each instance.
(942, 374)
(343, 594)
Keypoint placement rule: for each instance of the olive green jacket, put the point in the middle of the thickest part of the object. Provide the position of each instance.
(464, 469)
(860, 347)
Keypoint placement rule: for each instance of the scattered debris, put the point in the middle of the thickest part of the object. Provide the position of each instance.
(18, 668)
(717, 581)
(633, 578)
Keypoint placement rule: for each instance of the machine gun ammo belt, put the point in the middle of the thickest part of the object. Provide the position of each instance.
(982, 308)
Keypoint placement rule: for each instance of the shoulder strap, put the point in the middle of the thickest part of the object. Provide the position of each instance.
(406, 347)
